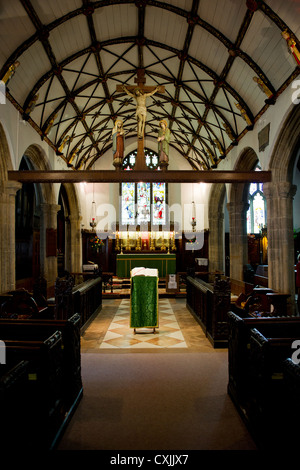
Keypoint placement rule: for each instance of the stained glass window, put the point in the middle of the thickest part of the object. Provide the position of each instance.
(257, 212)
(128, 202)
(151, 159)
(158, 201)
(143, 202)
(148, 199)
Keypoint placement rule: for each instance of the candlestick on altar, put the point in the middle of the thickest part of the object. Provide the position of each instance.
(138, 244)
(163, 246)
(127, 242)
(152, 246)
(117, 241)
(173, 242)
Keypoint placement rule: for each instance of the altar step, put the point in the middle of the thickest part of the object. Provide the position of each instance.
(119, 288)
(126, 294)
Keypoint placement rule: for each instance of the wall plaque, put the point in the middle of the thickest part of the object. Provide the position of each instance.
(263, 137)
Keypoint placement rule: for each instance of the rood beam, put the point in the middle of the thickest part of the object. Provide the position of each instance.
(113, 176)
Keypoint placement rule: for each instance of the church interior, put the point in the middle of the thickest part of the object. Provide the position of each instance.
(150, 225)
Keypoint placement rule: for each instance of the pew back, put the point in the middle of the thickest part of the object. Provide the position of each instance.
(31, 329)
(210, 304)
(257, 348)
(44, 386)
(14, 401)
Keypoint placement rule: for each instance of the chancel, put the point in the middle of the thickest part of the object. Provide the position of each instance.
(149, 226)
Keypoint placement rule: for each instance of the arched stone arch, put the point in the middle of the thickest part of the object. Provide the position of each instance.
(237, 210)
(36, 159)
(8, 190)
(285, 149)
(279, 194)
(5, 157)
(73, 244)
(216, 227)
(246, 162)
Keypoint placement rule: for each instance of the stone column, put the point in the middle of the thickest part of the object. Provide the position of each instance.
(73, 244)
(238, 239)
(8, 193)
(48, 220)
(216, 242)
(279, 196)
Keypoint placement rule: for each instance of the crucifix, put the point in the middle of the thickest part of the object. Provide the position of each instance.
(140, 93)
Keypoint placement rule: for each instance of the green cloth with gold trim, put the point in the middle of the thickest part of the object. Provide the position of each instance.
(144, 302)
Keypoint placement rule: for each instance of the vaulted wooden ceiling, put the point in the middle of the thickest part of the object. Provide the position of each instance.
(71, 55)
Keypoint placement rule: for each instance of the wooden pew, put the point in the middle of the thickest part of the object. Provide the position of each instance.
(262, 301)
(88, 300)
(269, 397)
(14, 399)
(44, 399)
(257, 348)
(291, 379)
(20, 303)
(84, 298)
(239, 331)
(240, 290)
(70, 329)
(209, 303)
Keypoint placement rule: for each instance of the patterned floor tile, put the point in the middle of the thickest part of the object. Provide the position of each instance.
(110, 331)
(120, 335)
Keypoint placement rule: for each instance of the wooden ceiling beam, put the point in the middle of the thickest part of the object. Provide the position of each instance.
(113, 176)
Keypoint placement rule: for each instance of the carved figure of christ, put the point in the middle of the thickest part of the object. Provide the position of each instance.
(140, 93)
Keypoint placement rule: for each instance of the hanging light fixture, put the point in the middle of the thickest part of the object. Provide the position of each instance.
(193, 222)
(93, 222)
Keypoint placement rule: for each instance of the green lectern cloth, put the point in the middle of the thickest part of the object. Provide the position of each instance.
(144, 302)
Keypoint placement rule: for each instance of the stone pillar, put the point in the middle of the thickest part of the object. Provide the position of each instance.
(48, 220)
(8, 193)
(73, 244)
(279, 196)
(238, 239)
(216, 242)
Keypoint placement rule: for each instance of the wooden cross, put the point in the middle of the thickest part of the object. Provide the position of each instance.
(140, 80)
(140, 86)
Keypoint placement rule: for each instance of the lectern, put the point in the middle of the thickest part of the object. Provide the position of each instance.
(144, 298)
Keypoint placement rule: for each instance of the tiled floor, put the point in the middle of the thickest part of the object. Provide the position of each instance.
(110, 331)
(168, 335)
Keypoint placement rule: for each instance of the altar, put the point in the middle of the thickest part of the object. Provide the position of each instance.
(165, 263)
